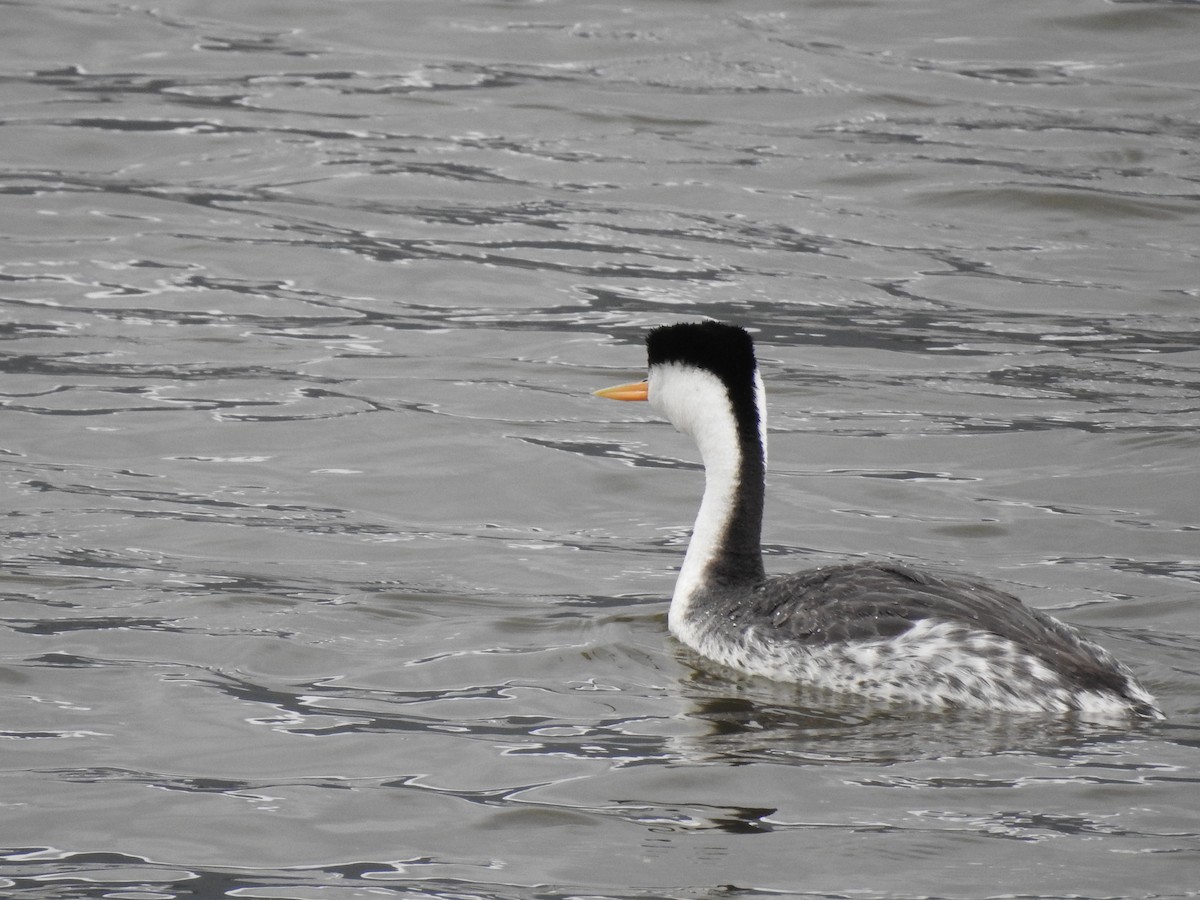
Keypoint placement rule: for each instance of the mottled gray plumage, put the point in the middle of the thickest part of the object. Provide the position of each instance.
(868, 601)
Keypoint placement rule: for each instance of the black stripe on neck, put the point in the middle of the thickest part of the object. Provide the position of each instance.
(728, 353)
(739, 557)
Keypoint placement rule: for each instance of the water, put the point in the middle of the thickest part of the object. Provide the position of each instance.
(327, 577)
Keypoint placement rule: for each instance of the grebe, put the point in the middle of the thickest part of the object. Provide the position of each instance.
(879, 629)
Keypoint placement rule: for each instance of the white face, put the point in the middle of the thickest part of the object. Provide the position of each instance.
(697, 404)
(689, 397)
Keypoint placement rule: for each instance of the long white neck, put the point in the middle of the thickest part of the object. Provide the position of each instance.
(725, 548)
(721, 467)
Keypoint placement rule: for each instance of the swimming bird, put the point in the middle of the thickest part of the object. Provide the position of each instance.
(884, 630)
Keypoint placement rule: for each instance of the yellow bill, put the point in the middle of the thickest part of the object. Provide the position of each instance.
(637, 390)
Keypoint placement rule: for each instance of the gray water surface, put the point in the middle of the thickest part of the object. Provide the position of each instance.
(325, 575)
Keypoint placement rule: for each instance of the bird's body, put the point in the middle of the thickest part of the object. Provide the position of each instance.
(882, 630)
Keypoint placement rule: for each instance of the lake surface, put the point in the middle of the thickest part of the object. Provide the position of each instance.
(325, 575)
